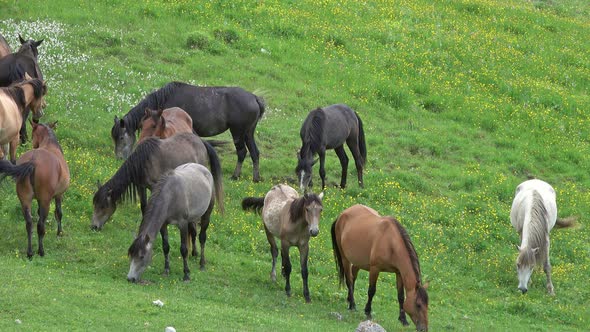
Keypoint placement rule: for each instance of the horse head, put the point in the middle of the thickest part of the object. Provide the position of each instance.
(29, 46)
(303, 171)
(41, 132)
(416, 305)
(140, 256)
(152, 124)
(104, 207)
(525, 263)
(313, 210)
(123, 137)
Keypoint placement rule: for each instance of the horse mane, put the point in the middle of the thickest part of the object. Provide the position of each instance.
(124, 184)
(136, 246)
(297, 208)
(158, 191)
(538, 228)
(314, 125)
(409, 247)
(154, 101)
(52, 137)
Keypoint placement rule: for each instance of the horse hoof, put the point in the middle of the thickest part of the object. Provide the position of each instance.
(202, 268)
(233, 177)
(186, 279)
(307, 300)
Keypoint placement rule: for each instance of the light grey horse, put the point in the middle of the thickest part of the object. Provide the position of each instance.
(533, 215)
(293, 220)
(182, 197)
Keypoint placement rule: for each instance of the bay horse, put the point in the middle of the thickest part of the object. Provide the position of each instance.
(182, 197)
(149, 161)
(362, 239)
(213, 111)
(41, 174)
(165, 123)
(533, 215)
(292, 219)
(13, 102)
(329, 128)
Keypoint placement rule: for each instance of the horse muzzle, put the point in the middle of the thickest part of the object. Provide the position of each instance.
(523, 290)
(314, 232)
(132, 279)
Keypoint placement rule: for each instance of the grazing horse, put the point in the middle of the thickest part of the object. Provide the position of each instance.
(293, 220)
(41, 174)
(362, 239)
(213, 111)
(329, 128)
(533, 215)
(13, 68)
(183, 196)
(4, 47)
(165, 123)
(13, 102)
(142, 170)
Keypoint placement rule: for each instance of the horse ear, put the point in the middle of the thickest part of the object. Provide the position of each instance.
(147, 112)
(22, 41)
(98, 185)
(37, 43)
(160, 111)
(53, 125)
(122, 123)
(33, 123)
(518, 247)
(321, 195)
(535, 250)
(116, 119)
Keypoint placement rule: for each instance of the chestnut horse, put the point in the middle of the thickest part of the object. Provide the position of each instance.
(362, 239)
(13, 102)
(165, 123)
(293, 220)
(41, 174)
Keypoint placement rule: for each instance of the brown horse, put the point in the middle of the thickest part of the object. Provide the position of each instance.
(362, 239)
(165, 123)
(293, 220)
(41, 174)
(13, 101)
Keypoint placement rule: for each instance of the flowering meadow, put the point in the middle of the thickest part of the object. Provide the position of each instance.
(461, 100)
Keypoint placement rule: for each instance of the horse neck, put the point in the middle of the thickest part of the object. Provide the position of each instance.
(155, 215)
(52, 145)
(534, 230)
(29, 93)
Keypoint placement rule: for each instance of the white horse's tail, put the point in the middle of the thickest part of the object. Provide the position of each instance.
(568, 222)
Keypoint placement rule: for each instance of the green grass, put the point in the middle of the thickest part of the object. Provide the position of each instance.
(461, 101)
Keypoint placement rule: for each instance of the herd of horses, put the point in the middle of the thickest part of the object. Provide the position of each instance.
(184, 174)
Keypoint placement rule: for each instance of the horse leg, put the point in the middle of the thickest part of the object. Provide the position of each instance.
(254, 154)
(349, 278)
(239, 143)
(13, 146)
(205, 219)
(192, 232)
(286, 266)
(303, 255)
(165, 249)
(23, 128)
(344, 163)
(547, 269)
(400, 299)
(26, 208)
(373, 276)
(43, 212)
(322, 155)
(358, 159)
(58, 214)
(184, 252)
(274, 252)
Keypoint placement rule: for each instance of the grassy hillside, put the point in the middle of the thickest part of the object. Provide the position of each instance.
(461, 101)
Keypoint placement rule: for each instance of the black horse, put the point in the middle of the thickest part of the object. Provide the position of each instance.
(213, 110)
(329, 128)
(14, 66)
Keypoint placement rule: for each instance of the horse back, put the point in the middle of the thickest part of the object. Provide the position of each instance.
(524, 199)
(177, 121)
(190, 189)
(341, 123)
(276, 207)
(52, 175)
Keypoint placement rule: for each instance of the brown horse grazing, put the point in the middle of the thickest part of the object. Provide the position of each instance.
(293, 220)
(41, 174)
(165, 123)
(362, 239)
(13, 101)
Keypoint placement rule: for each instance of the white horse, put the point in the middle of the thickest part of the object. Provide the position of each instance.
(533, 215)
(292, 219)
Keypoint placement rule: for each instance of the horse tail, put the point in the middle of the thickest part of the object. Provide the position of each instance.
(217, 176)
(17, 172)
(337, 254)
(566, 222)
(253, 204)
(261, 105)
(362, 143)
(215, 142)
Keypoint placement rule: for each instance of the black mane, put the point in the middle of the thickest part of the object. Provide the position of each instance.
(297, 208)
(313, 132)
(410, 248)
(124, 184)
(154, 100)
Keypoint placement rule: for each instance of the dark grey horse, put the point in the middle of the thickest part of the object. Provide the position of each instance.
(144, 167)
(213, 110)
(329, 128)
(182, 197)
(14, 66)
